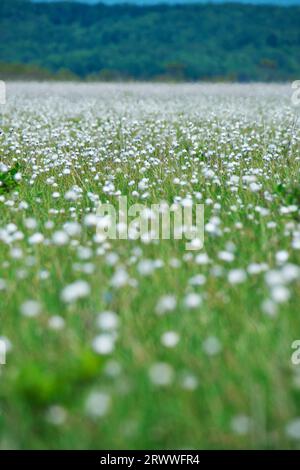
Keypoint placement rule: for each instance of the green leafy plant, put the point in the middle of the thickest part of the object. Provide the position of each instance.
(8, 181)
(43, 383)
(291, 194)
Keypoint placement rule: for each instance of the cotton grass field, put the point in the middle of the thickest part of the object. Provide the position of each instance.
(131, 344)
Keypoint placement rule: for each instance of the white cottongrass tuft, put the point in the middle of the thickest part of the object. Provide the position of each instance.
(198, 280)
(108, 320)
(212, 346)
(282, 257)
(192, 300)
(60, 238)
(120, 278)
(166, 303)
(202, 259)
(241, 424)
(170, 339)
(237, 276)
(189, 382)
(56, 322)
(146, 267)
(113, 368)
(36, 239)
(98, 404)
(104, 344)
(226, 256)
(269, 307)
(30, 308)
(280, 294)
(74, 291)
(56, 415)
(161, 374)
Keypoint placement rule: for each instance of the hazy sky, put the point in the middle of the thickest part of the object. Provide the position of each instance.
(275, 2)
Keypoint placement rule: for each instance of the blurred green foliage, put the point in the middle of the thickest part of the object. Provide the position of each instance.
(7, 179)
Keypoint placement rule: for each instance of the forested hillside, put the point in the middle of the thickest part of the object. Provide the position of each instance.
(183, 42)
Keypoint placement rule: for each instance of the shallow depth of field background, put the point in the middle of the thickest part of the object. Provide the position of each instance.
(123, 344)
